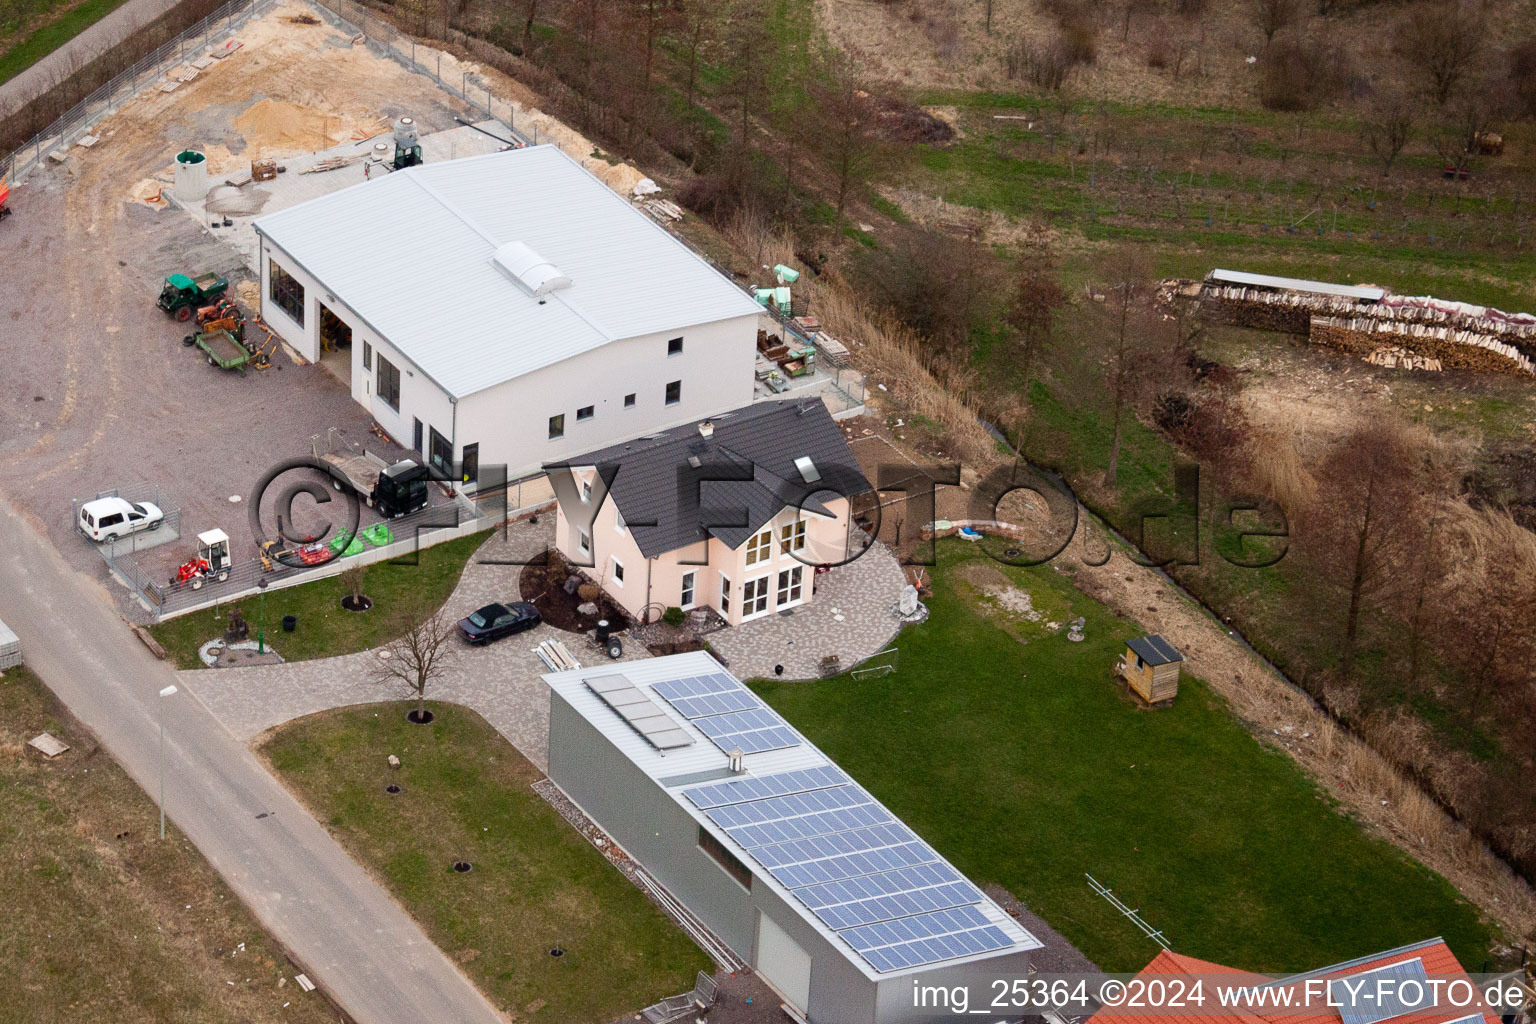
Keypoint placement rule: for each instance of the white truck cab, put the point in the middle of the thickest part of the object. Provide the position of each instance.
(110, 518)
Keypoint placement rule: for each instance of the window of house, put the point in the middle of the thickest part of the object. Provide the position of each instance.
(675, 347)
(417, 436)
(287, 293)
(368, 356)
(725, 594)
(685, 599)
(389, 383)
(557, 426)
(792, 535)
(629, 400)
(584, 413)
(618, 520)
(586, 492)
(583, 541)
(759, 547)
(790, 587)
(754, 597)
(618, 572)
(471, 467)
(725, 858)
(441, 456)
(674, 392)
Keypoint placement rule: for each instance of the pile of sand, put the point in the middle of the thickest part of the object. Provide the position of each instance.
(274, 125)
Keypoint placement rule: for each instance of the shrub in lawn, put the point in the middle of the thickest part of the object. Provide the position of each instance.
(1299, 73)
(673, 616)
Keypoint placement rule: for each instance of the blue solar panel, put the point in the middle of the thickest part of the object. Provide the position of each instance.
(926, 938)
(1362, 1006)
(763, 786)
(864, 874)
(727, 713)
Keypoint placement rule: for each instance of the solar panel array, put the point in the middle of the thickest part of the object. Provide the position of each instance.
(1374, 996)
(864, 874)
(728, 713)
(644, 715)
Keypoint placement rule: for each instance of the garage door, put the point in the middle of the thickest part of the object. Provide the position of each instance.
(781, 960)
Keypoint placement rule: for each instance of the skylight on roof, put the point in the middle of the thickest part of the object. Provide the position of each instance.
(808, 471)
(529, 269)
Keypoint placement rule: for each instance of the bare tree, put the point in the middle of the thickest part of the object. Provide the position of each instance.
(1270, 16)
(1037, 295)
(352, 577)
(1443, 41)
(1127, 278)
(1360, 526)
(1388, 126)
(418, 656)
(846, 139)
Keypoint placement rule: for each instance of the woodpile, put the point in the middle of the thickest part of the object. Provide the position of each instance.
(1395, 358)
(1449, 347)
(1475, 336)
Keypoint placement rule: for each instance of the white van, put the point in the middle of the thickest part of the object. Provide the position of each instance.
(110, 518)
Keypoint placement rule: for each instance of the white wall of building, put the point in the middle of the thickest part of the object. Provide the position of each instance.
(510, 420)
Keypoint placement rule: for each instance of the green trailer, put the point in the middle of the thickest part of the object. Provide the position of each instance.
(224, 350)
(183, 296)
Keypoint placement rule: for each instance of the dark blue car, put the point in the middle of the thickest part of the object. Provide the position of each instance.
(495, 621)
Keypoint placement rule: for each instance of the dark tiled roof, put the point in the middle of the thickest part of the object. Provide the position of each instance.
(1154, 650)
(678, 488)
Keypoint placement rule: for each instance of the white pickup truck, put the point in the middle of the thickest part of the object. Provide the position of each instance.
(110, 518)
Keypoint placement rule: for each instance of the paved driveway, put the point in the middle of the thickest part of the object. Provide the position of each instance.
(853, 616)
(500, 681)
(314, 899)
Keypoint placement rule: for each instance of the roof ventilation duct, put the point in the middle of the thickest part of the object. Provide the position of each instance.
(707, 428)
(529, 269)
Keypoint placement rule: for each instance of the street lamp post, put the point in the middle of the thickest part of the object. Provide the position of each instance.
(261, 613)
(169, 691)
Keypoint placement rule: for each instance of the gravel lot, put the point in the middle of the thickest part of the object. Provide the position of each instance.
(97, 390)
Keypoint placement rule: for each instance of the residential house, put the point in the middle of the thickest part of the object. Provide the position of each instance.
(734, 512)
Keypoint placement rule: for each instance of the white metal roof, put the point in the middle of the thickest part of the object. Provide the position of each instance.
(1296, 284)
(679, 769)
(414, 254)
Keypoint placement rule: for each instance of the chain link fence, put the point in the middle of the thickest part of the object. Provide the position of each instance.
(107, 100)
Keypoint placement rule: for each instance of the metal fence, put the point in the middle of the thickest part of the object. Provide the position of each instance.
(343, 15)
(140, 493)
(354, 19)
(115, 94)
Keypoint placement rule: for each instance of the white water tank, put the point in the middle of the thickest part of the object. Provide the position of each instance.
(191, 176)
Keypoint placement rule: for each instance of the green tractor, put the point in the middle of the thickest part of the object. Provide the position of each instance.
(183, 296)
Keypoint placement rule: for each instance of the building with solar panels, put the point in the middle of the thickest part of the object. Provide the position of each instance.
(792, 864)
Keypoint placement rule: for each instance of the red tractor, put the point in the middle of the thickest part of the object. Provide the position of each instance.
(212, 560)
(5, 193)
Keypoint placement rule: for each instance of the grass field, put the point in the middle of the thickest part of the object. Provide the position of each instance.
(104, 922)
(418, 583)
(1018, 755)
(27, 50)
(537, 884)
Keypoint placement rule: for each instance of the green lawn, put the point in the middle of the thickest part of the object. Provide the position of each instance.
(419, 583)
(1026, 764)
(103, 920)
(34, 47)
(537, 884)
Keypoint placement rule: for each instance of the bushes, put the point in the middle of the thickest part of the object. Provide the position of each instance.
(1045, 63)
(1299, 73)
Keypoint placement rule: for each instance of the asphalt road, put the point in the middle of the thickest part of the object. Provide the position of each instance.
(349, 935)
(97, 39)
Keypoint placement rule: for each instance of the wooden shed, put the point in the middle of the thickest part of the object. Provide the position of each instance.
(1151, 667)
